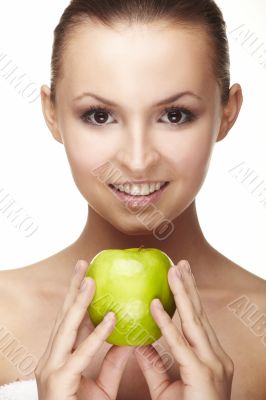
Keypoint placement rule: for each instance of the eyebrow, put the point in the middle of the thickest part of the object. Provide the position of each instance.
(162, 102)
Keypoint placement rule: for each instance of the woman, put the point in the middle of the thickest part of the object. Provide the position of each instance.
(142, 88)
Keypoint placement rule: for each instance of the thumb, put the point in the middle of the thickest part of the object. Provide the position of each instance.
(112, 369)
(153, 369)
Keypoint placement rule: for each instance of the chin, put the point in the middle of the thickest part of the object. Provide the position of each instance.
(137, 229)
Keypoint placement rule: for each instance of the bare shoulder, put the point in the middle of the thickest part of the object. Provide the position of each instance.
(18, 287)
(13, 290)
(244, 306)
(14, 347)
(240, 324)
(247, 306)
(11, 279)
(27, 313)
(29, 293)
(250, 288)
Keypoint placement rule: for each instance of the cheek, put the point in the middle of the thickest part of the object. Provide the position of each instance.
(192, 155)
(86, 154)
(188, 152)
(83, 145)
(84, 160)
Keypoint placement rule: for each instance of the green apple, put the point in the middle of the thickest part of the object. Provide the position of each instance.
(126, 281)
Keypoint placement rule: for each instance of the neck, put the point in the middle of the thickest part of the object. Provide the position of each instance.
(185, 242)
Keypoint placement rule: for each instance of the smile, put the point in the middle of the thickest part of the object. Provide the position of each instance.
(138, 200)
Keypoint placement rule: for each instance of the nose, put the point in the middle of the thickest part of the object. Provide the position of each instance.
(138, 153)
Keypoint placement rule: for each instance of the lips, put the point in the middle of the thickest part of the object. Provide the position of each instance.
(138, 201)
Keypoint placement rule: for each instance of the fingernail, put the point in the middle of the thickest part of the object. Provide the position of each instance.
(178, 272)
(83, 285)
(81, 264)
(109, 317)
(158, 304)
(77, 267)
(185, 264)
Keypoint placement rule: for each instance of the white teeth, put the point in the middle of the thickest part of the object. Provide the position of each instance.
(126, 188)
(153, 187)
(145, 189)
(139, 189)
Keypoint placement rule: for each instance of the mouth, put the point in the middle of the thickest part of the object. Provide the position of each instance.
(138, 200)
(137, 195)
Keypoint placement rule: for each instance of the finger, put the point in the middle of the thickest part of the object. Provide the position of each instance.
(153, 370)
(178, 344)
(81, 357)
(76, 279)
(75, 282)
(191, 287)
(112, 369)
(84, 330)
(67, 332)
(191, 323)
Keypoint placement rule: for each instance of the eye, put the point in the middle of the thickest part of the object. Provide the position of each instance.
(98, 114)
(175, 115)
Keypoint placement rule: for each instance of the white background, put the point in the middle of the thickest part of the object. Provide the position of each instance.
(34, 170)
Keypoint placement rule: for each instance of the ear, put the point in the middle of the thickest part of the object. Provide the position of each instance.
(230, 111)
(49, 113)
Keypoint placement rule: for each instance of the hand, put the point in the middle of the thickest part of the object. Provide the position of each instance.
(206, 371)
(71, 347)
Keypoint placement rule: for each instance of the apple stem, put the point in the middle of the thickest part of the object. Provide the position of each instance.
(141, 247)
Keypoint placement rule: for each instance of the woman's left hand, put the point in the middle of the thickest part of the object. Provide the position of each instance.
(206, 371)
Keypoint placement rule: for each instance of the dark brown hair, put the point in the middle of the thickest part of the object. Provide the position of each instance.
(203, 13)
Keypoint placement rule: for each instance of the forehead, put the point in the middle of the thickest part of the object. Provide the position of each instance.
(137, 59)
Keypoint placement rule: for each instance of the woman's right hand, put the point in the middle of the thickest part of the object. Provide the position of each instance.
(72, 346)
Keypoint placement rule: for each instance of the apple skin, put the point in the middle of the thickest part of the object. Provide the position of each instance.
(126, 281)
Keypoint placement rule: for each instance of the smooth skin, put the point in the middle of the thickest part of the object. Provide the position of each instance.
(139, 141)
(206, 371)
(136, 67)
(70, 349)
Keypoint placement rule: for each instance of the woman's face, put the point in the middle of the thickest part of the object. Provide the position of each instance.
(136, 67)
